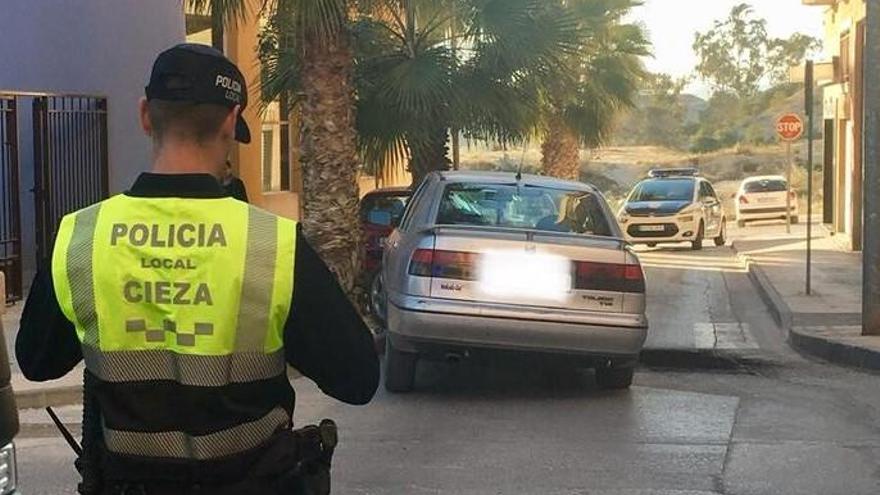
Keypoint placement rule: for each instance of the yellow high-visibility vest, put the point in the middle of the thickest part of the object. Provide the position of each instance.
(196, 291)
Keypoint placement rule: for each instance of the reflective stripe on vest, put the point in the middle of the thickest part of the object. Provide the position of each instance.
(194, 291)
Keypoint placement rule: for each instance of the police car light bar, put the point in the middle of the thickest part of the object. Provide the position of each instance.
(673, 172)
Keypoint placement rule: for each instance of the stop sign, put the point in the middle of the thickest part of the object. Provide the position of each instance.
(789, 127)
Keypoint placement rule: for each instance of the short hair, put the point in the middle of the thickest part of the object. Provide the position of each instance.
(199, 122)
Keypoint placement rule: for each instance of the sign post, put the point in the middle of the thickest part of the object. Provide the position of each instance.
(871, 186)
(789, 127)
(808, 103)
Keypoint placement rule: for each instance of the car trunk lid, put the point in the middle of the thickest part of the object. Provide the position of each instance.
(535, 268)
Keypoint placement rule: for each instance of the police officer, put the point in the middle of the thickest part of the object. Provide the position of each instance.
(187, 305)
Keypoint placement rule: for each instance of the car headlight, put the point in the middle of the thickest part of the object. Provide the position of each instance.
(686, 219)
(8, 473)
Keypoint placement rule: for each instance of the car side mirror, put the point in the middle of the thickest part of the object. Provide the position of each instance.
(379, 217)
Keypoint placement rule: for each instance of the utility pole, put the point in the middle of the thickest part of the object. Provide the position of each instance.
(871, 187)
(808, 100)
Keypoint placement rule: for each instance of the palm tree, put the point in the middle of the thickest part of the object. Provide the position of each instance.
(314, 63)
(425, 67)
(602, 78)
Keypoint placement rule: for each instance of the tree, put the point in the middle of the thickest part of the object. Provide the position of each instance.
(314, 63)
(591, 85)
(738, 56)
(425, 67)
(660, 116)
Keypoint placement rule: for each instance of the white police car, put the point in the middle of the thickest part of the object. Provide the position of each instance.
(673, 205)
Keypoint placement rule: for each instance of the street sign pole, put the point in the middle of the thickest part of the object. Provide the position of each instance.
(871, 188)
(788, 161)
(789, 127)
(808, 100)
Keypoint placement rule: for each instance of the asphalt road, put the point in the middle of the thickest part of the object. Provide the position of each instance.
(769, 422)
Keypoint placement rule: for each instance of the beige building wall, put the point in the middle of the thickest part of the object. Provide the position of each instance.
(241, 47)
(843, 40)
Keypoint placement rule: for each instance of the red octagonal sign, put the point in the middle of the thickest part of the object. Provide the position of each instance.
(789, 127)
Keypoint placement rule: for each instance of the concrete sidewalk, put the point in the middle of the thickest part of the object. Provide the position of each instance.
(28, 394)
(827, 322)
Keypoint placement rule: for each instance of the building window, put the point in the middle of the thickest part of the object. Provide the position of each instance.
(204, 29)
(276, 149)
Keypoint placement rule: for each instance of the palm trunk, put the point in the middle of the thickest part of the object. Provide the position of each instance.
(329, 157)
(429, 152)
(561, 152)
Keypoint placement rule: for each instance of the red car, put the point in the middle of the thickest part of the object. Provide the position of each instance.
(380, 212)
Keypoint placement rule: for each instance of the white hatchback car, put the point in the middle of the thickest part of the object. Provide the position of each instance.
(673, 205)
(765, 198)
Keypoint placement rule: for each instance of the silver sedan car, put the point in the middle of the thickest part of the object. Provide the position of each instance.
(496, 261)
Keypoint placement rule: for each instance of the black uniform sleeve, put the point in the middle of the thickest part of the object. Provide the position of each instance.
(46, 347)
(242, 190)
(324, 337)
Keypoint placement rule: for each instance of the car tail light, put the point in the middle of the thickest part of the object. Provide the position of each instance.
(609, 277)
(793, 195)
(743, 200)
(421, 262)
(458, 265)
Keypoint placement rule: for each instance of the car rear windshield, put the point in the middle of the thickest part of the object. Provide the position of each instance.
(523, 207)
(664, 190)
(768, 185)
(383, 208)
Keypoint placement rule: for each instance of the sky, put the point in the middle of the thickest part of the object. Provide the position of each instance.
(672, 25)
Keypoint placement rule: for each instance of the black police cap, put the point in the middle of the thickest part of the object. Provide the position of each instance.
(200, 74)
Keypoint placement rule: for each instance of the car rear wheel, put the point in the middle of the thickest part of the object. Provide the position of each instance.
(400, 369)
(377, 298)
(795, 219)
(722, 234)
(614, 378)
(697, 244)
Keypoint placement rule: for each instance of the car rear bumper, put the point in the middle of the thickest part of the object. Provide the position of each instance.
(418, 323)
(769, 212)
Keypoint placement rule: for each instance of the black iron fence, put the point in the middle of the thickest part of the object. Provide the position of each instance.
(10, 213)
(70, 162)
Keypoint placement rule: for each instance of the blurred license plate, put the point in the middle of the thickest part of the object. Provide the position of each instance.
(652, 228)
(766, 200)
(525, 276)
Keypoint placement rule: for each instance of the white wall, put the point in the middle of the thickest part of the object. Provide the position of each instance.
(103, 47)
(91, 46)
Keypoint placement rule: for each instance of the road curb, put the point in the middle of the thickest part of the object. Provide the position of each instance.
(801, 339)
(774, 301)
(834, 351)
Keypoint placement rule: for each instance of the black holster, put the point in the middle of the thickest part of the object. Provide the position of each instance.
(314, 446)
(89, 463)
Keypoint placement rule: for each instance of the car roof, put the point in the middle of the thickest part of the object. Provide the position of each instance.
(469, 176)
(681, 178)
(758, 178)
(390, 191)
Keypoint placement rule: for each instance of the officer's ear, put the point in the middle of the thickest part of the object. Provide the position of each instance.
(146, 124)
(228, 128)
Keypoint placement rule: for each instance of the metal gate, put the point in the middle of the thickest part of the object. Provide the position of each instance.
(70, 162)
(10, 220)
